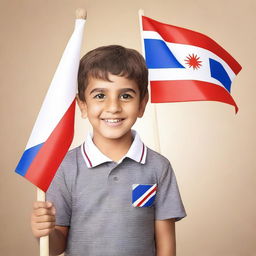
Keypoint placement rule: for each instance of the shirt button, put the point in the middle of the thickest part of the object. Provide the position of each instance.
(115, 178)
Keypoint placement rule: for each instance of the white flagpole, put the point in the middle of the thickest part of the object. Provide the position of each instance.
(41, 195)
(44, 241)
(155, 122)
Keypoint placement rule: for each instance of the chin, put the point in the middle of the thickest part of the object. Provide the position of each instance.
(114, 135)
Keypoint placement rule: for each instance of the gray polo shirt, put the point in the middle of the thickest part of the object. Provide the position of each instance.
(111, 207)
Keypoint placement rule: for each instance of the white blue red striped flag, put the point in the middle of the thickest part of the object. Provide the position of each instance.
(143, 195)
(53, 131)
(185, 65)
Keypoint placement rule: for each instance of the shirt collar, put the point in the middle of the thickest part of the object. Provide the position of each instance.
(93, 156)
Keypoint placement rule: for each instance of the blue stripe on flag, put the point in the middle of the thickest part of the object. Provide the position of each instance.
(139, 191)
(27, 158)
(218, 72)
(158, 55)
(150, 201)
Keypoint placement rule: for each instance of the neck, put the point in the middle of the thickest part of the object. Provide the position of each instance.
(115, 149)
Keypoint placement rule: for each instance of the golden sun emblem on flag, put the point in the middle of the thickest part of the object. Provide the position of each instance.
(193, 61)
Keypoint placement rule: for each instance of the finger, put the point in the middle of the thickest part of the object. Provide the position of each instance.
(45, 232)
(43, 211)
(41, 233)
(44, 218)
(40, 204)
(45, 225)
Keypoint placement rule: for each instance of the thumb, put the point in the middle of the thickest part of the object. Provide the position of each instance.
(53, 210)
(49, 204)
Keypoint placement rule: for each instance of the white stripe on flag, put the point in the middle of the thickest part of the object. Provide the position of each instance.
(135, 186)
(62, 90)
(180, 74)
(153, 194)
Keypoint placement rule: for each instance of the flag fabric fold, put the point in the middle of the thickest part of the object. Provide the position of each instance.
(53, 130)
(185, 65)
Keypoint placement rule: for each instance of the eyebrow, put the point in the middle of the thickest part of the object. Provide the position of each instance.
(121, 90)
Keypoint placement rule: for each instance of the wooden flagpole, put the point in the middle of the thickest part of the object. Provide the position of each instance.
(44, 241)
(154, 120)
(41, 196)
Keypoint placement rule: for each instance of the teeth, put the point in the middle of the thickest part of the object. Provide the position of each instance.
(113, 120)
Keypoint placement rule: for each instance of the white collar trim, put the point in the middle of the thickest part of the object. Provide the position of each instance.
(93, 156)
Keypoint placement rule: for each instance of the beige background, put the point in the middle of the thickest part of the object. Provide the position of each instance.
(211, 149)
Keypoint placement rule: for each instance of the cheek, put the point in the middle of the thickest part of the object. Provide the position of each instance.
(94, 109)
(132, 109)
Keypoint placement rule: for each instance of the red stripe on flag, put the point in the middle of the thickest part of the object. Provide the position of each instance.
(45, 164)
(179, 35)
(145, 198)
(189, 90)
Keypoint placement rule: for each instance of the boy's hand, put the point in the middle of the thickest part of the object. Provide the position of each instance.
(43, 219)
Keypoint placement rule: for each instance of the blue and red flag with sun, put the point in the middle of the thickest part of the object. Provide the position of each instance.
(185, 65)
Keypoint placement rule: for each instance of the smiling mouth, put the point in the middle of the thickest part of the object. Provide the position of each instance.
(113, 120)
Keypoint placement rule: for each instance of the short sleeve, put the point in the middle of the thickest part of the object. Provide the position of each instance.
(59, 194)
(168, 200)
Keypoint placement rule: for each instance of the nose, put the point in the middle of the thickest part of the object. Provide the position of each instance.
(113, 105)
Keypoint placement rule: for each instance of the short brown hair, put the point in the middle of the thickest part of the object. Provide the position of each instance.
(114, 59)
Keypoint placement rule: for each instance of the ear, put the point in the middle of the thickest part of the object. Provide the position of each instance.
(83, 107)
(143, 104)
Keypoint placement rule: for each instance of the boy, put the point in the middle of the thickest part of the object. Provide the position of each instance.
(112, 196)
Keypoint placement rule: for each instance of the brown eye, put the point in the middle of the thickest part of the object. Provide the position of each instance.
(126, 96)
(99, 96)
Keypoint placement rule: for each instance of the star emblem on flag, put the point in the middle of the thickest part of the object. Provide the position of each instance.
(193, 61)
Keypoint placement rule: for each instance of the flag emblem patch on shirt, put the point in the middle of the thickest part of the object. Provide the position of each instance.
(143, 195)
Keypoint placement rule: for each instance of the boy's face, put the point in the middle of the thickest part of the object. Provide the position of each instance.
(112, 107)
